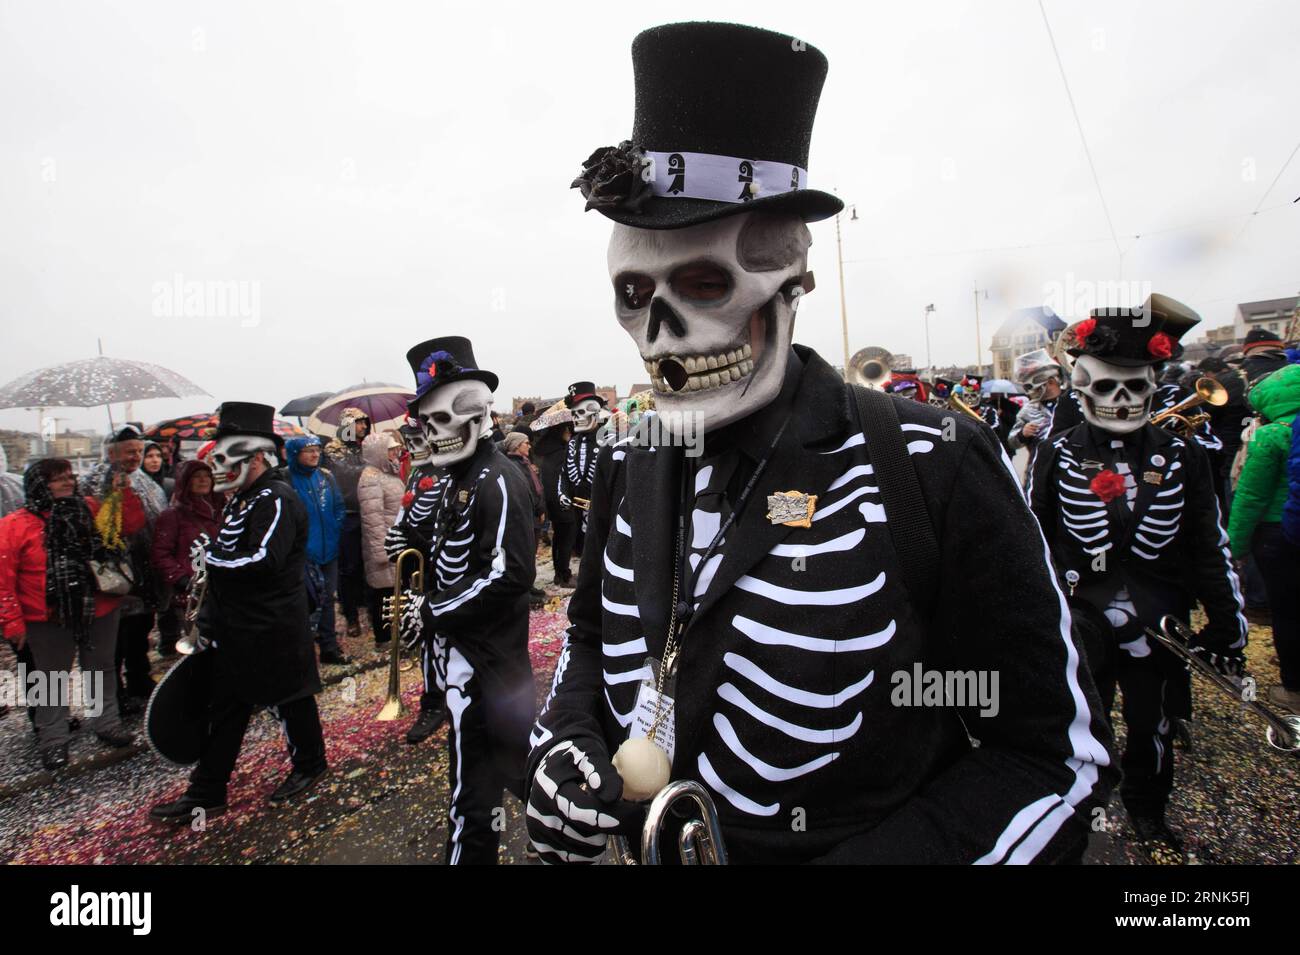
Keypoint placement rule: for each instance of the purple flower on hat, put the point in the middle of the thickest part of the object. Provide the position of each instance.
(437, 363)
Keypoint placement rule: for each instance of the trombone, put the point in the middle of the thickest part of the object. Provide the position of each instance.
(1175, 417)
(393, 607)
(956, 404)
(699, 842)
(1283, 731)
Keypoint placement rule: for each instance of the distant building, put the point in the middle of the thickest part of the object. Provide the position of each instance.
(1223, 335)
(608, 392)
(18, 447)
(1024, 330)
(1273, 314)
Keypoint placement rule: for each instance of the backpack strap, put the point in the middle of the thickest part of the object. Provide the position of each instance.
(907, 517)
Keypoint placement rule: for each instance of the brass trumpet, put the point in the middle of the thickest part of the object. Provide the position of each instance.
(393, 607)
(1208, 391)
(190, 642)
(581, 503)
(956, 404)
(1283, 731)
(699, 842)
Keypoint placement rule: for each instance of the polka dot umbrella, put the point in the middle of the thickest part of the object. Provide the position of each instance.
(200, 427)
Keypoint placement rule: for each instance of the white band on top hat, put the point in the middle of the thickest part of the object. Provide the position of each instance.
(682, 175)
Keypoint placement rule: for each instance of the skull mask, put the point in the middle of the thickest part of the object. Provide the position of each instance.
(586, 415)
(454, 417)
(231, 456)
(1115, 397)
(711, 308)
(416, 443)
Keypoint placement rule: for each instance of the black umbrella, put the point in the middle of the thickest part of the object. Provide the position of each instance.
(306, 404)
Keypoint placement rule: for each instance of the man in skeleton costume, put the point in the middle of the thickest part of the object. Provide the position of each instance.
(574, 487)
(1052, 406)
(1134, 525)
(767, 559)
(474, 524)
(254, 616)
(433, 710)
(969, 392)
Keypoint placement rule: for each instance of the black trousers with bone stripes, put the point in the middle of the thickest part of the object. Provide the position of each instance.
(1148, 760)
(487, 742)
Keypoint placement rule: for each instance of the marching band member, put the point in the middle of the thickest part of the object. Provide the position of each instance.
(1130, 512)
(741, 615)
(474, 525)
(254, 616)
(1052, 407)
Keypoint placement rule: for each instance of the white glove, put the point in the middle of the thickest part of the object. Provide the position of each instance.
(571, 802)
(411, 630)
(394, 541)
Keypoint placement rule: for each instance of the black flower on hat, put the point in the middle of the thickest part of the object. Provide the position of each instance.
(611, 178)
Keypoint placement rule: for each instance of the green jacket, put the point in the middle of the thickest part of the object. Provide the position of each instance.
(1262, 489)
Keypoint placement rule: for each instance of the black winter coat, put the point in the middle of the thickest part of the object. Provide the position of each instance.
(789, 667)
(255, 609)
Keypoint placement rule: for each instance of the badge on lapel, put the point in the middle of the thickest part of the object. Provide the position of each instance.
(462, 498)
(1152, 477)
(791, 508)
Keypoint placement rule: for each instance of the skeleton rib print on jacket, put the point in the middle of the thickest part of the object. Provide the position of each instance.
(579, 467)
(1169, 550)
(784, 705)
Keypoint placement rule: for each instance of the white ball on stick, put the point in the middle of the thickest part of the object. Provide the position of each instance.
(644, 767)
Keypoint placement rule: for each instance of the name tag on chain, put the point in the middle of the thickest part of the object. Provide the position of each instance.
(649, 707)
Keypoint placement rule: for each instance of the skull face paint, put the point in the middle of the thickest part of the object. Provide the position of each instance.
(1116, 398)
(231, 456)
(711, 308)
(454, 417)
(586, 415)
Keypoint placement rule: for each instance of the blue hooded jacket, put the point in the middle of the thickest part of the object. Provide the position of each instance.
(1291, 510)
(321, 496)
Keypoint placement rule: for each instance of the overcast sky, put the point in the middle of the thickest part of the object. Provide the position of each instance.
(377, 173)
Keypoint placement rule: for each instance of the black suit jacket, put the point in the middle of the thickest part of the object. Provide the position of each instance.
(790, 668)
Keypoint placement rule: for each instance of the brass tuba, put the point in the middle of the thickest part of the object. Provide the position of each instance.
(699, 842)
(1283, 731)
(1175, 418)
(870, 367)
(393, 607)
(190, 641)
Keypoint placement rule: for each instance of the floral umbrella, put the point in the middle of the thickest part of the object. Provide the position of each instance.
(383, 404)
(557, 413)
(201, 427)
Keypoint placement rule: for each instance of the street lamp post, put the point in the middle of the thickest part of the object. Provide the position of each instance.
(929, 364)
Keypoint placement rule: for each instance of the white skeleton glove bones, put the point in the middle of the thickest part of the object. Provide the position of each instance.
(573, 805)
(411, 628)
(395, 541)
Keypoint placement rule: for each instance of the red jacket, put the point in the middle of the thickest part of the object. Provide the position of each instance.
(22, 565)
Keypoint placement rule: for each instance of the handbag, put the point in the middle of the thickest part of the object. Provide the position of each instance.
(113, 576)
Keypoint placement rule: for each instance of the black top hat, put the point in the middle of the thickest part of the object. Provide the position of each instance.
(440, 361)
(1133, 337)
(1179, 319)
(724, 118)
(247, 418)
(1261, 338)
(581, 391)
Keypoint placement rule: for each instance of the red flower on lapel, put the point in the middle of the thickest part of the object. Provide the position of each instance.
(1107, 485)
(407, 498)
(426, 483)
